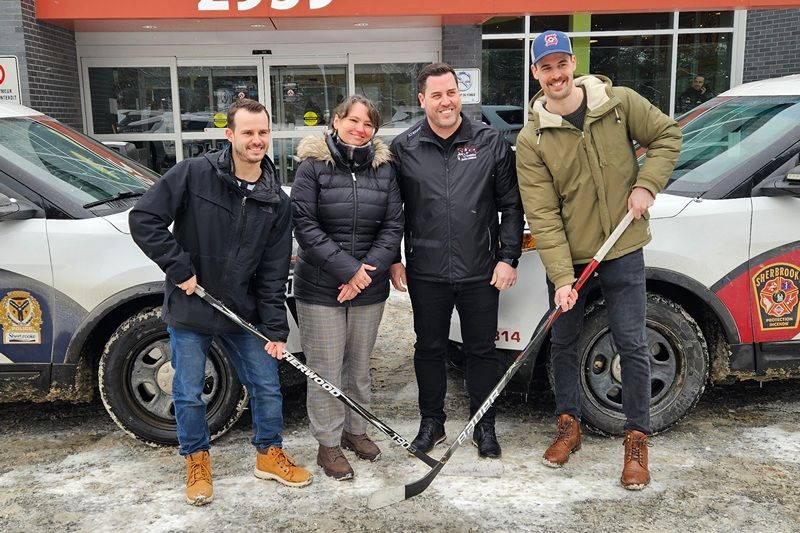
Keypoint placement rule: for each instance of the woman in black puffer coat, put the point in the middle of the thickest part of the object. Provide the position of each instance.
(348, 222)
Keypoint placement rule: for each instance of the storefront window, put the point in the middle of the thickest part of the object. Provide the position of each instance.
(556, 22)
(504, 25)
(706, 19)
(306, 95)
(631, 56)
(641, 63)
(131, 100)
(393, 89)
(632, 21)
(207, 92)
(503, 63)
(284, 151)
(194, 148)
(704, 68)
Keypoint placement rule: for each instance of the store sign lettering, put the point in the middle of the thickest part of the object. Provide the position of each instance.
(245, 5)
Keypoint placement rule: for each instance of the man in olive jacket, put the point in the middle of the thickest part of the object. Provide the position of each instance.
(578, 176)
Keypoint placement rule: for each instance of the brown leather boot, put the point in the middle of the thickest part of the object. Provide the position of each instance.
(362, 445)
(567, 441)
(635, 473)
(199, 490)
(334, 463)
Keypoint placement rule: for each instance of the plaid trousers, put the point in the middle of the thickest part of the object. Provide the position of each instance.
(338, 342)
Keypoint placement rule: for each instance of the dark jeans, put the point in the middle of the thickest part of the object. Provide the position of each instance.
(623, 284)
(433, 304)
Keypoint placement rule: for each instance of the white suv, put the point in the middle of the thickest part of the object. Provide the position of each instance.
(723, 268)
(79, 302)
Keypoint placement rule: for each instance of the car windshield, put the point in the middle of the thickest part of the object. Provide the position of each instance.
(729, 135)
(83, 169)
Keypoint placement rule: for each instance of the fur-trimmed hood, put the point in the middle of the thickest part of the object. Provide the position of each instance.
(316, 147)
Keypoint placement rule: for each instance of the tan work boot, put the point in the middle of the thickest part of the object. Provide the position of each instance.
(199, 490)
(635, 472)
(567, 441)
(334, 463)
(274, 463)
(362, 445)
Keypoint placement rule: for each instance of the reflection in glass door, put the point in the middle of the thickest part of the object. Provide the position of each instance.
(303, 101)
(206, 92)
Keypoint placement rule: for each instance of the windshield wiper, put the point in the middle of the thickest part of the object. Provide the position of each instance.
(118, 196)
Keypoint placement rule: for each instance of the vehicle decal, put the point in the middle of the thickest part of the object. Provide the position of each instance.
(21, 318)
(762, 295)
(5, 360)
(775, 288)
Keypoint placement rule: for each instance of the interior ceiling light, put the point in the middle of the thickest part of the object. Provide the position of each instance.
(258, 25)
(361, 24)
(149, 27)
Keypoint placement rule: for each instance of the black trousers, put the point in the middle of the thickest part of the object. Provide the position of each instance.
(433, 305)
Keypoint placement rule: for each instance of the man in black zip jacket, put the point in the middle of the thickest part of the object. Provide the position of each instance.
(232, 235)
(455, 175)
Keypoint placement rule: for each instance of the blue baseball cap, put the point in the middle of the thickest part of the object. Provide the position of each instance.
(550, 42)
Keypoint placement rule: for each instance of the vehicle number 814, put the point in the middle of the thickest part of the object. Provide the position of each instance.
(507, 336)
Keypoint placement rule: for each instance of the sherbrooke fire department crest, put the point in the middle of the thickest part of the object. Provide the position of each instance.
(21, 318)
(776, 290)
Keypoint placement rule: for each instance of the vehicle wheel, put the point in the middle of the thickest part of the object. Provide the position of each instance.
(678, 367)
(135, 379)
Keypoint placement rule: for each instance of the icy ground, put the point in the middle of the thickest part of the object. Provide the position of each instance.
(732, 465)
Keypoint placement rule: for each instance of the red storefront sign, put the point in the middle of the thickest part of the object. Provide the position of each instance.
(477, 10)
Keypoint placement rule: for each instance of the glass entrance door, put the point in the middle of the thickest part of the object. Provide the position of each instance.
(303, 100)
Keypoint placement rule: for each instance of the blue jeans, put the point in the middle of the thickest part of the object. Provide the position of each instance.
(257, 371)
(433, 303)
(623, 284)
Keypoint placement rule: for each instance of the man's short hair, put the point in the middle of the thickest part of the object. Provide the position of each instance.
(248, 105)
(434, 69)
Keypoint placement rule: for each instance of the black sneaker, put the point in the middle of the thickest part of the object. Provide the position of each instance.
(431, 433)
(485, 440)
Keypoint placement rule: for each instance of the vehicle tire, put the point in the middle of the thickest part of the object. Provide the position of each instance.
(679, 367)
(135, 381)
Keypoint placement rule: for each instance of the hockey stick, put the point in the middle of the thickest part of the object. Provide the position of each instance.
(316, 378)
(391, 495)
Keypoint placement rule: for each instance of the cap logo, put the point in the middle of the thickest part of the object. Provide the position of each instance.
(551, 39)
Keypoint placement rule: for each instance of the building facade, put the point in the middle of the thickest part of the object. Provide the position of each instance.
(162, 77)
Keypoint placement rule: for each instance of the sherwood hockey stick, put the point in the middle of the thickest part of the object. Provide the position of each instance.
(316, 378)
(391, 495)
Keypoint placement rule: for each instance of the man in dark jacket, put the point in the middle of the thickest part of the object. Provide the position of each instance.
(232, 234)
(455, 174)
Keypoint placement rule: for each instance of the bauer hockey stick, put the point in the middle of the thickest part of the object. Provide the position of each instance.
(391, 495)
(316, 378)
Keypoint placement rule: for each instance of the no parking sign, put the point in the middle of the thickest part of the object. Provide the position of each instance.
(9, 80)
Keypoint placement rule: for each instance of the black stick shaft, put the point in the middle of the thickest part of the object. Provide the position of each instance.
(323, 383)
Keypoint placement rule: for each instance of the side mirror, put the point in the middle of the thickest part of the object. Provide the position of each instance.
(788, 185)
(14, 209)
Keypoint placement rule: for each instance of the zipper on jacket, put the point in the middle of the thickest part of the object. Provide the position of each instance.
(355, 215)
(449, 225)
(238, 235)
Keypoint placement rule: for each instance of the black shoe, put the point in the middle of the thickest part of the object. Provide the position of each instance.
(431, 433)
(485, 440)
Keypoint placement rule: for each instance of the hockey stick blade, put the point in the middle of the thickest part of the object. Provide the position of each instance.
(392, 495)
(324, 384)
